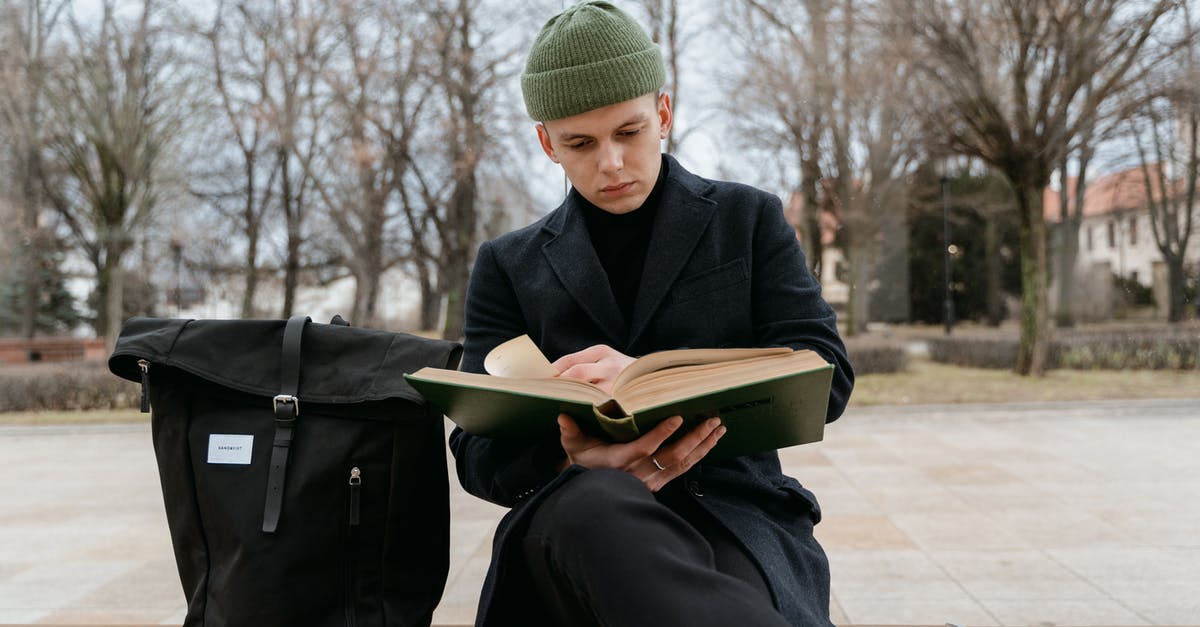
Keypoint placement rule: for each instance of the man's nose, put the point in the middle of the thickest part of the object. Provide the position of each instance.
(610, 158)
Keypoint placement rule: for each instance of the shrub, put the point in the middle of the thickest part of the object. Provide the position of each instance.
(872, 355)
(64, 386)
(974, 352)
(1175, 348)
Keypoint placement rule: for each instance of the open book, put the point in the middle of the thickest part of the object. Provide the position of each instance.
(768, 398)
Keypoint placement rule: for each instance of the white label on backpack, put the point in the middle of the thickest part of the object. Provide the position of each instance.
(226, 448)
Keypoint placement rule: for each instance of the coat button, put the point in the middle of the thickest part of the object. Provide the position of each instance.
(694, 488)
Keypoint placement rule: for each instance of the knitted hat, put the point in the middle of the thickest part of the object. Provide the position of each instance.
(589, 56)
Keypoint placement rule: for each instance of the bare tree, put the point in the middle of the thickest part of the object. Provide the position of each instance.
(25, 30)
(297, 38)
(835, 98)
(667, 29)
(239, 62)
(112, 126)
(1010, 79)
(782, 99)
(378, 97)
(1167, 134)
(467, 58)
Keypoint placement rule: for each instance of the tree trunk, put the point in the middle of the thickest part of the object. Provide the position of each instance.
(456, 271)
(250, 269)
(1175, 288)
(810, 176)
(30, 198)
(250, 273)
(112, 299)
(1034, 349)
(995, 291)
(857, 307)
(291, 266)
(431, 298)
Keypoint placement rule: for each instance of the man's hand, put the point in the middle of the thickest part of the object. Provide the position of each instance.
(643, 456)
(597, 364)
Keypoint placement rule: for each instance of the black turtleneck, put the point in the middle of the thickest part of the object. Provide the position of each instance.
(621, 242)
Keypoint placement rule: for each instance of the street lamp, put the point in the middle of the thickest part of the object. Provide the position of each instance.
(949, 302)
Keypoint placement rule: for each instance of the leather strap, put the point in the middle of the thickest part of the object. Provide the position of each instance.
(287, 409)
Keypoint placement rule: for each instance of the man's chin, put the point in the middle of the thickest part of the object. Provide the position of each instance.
(618, 205)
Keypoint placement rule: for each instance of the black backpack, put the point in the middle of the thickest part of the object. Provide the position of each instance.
(305, 482)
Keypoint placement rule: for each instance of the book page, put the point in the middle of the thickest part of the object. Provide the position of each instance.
(518, 357)
(687, 357)
(569, 389)
(694, 380)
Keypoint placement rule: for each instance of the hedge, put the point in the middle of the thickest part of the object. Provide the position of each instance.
(65, 386)
(874, 355)
(1143, 349)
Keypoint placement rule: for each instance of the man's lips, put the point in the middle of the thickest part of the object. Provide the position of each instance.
(616, 189)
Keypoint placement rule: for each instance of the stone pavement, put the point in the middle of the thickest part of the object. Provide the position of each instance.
(1031, 514)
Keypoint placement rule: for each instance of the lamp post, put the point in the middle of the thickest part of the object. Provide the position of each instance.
(948, 302)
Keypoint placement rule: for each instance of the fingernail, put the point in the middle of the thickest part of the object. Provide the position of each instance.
(721, 431)
(713, 423)
(675, 422)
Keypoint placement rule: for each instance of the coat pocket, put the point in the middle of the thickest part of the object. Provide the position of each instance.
(710, 280)
(801, 495)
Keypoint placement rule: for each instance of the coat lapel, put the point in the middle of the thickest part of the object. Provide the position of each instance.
(681, 221)
(571, 255)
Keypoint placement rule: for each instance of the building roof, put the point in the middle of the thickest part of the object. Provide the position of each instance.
(1115, 192)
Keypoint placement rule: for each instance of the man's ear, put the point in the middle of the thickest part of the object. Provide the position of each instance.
(665, 117)
(544, 140)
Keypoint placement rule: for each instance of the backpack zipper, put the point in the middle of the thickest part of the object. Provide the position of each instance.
(145, 368)
(349, 557)
(355, 482)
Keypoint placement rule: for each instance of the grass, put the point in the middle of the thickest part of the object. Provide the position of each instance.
(927, 382)
(92, 417)
(924, 382)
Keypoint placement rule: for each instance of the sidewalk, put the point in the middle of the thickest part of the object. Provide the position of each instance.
(1032, 514)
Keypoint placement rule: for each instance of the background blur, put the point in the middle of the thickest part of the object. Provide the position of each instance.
(1024, 160)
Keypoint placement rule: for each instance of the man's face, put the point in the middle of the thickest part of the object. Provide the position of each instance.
(611, 155)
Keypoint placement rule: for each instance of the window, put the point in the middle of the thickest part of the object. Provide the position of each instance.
(1090, 243)
(1133, 230)
(1112, 234)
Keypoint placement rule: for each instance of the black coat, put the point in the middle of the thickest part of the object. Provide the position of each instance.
(723, 269)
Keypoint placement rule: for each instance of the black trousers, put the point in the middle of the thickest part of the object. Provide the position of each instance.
(604, 550)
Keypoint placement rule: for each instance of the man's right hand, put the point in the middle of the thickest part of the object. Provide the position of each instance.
(643, 457)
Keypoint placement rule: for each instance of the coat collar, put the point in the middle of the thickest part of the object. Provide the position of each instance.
(682, 218)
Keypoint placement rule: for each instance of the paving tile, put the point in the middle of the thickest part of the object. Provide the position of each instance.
(959, 611)
(957, 531)
(971, 475)
(888, 575)
(919, 497)
(1050, 528)
(1118, 568)
(1093, 612)
(1016, 575)
(1030, 514)
(1163, 603)
(861, 533)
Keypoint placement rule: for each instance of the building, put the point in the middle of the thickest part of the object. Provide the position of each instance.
(1116, 239)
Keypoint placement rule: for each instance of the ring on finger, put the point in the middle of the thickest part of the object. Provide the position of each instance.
(656, 464)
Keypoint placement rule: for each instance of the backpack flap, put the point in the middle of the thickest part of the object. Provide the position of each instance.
(342, 365)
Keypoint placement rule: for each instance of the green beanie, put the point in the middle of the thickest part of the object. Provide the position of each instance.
(589, 56)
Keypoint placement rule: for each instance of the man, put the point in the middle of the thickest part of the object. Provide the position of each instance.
(641, 256)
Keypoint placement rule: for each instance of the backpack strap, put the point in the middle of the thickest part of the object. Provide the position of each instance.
(287, 409)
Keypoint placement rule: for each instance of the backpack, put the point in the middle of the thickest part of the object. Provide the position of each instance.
(305, 482)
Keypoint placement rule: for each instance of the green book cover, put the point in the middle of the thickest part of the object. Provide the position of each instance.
(760, 413)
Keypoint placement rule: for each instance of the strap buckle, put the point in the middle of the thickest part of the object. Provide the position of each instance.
(286, 399)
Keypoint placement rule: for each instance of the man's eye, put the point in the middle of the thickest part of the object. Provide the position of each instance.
(577, 145)
(629, 133)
